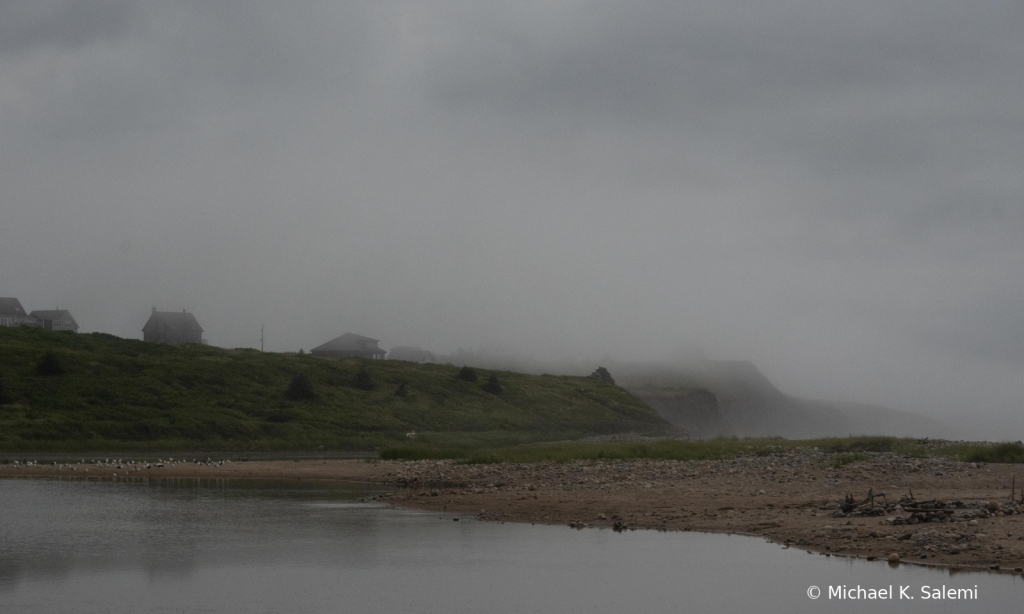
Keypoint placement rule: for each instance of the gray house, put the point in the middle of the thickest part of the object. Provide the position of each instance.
(411, 354)
(172, 327)
(350, 345)
(55, 319)
(13, 314)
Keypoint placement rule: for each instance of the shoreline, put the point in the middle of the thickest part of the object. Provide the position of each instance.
(791, 498)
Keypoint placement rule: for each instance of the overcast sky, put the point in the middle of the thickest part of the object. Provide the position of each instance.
(834, 190)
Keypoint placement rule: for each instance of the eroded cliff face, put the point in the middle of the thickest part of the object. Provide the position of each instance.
(693, 409)
(705, 416)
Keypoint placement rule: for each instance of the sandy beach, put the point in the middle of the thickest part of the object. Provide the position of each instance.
(960, 514)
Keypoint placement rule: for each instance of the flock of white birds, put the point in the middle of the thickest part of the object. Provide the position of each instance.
(128, 466)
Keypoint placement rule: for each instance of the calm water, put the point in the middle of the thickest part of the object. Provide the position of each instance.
(283, 547)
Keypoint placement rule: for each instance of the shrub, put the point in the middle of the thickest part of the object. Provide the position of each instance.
(492, 385)
(401, 391)
(300, 388)
(845, 459)
(467, 374)
(603, 375)
(364, 380)
(50, 364)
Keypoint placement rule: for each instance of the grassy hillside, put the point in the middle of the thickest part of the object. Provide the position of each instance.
(118, 394)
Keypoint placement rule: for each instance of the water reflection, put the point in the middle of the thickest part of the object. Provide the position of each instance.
(169, 527)
(274, 546)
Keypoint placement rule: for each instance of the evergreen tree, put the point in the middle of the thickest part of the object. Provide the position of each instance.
(492, 385)
(401, 391)
(364, 380)
(301, 388)
(602, 374)
(467, 374)
(50, 364)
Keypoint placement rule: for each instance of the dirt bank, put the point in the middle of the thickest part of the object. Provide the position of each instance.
(792, 497)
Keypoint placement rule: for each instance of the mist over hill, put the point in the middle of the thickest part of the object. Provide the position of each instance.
(712, 398)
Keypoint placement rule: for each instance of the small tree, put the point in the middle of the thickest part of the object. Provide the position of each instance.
(401, 391)
(302, 352)
(492, 385)
(603, 375)
(301, 388)
(364, 380)
(467, 374)
(50, 364)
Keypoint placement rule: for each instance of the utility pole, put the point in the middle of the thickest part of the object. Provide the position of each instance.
(261, 337)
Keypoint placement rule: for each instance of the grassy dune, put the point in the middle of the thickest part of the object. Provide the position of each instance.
(119, 394)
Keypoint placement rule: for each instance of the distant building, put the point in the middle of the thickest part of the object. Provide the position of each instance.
(13, 314)
(411, 354)
(55, 319)
(350, 345)
(172, 327)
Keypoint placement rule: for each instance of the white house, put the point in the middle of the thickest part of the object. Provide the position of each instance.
(13, 314)
(55, 319)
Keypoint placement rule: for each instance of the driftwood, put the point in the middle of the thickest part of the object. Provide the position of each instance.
(849, 503)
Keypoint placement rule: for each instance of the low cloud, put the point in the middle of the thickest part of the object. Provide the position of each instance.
(831, 190)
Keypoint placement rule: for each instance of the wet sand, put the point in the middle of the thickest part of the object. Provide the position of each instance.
(792, 498)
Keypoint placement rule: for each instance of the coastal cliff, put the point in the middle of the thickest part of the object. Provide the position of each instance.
(737, 400)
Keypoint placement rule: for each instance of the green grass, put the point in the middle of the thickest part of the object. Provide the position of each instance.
(119, 394)
(849, 449)
(839, 451)
(987, 452)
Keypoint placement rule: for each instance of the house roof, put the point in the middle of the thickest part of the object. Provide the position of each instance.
(172, 321)
(348, 342)
(53, 314)
(11, 307)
